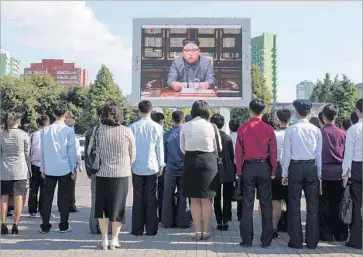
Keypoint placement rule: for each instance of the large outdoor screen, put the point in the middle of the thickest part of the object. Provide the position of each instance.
(183, 63)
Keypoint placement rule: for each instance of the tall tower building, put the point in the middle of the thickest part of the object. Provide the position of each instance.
(264, 55)
(304, 89)
(9, 66)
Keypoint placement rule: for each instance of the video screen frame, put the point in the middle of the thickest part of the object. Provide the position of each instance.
(221, 23)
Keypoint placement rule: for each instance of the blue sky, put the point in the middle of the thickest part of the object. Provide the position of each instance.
(313, 37)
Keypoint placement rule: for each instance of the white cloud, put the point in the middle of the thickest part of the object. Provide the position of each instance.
(71, 30)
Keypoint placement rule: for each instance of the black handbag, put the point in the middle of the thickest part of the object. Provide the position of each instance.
(237, 189)
(218, 150)
(346, 207)
(93, 161)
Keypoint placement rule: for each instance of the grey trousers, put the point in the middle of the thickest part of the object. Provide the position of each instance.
(93, 222)
(175, 213)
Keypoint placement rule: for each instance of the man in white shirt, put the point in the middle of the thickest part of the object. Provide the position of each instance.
(58, 166)
(352, 170)
(301, 169)
(36, 181)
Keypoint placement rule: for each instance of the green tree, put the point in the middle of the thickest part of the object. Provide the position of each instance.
(102, 90)
(76, 97)
(259, 91)
(322, 92)
(48, 95)
(344, 94)
(168, 121)
(19, 95)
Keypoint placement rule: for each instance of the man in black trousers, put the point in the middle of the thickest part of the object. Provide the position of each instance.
(148, 166)
(256, 162)
(352, 170)
(302, 171)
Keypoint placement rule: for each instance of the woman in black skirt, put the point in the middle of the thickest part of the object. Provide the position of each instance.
(116, 144)
(198, 142)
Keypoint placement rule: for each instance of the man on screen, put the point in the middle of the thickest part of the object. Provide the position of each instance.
(191, 68)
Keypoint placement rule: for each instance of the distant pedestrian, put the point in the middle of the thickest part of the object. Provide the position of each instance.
(36, 181)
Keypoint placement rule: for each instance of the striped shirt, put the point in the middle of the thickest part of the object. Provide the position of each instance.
(117, 151)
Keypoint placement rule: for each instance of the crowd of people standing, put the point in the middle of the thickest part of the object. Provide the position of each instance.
(179, 176)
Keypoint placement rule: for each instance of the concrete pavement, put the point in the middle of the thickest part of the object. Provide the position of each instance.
(168, 242)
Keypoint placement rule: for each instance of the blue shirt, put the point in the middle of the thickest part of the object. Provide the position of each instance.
(58, 149)
(174, 157)
(149, 147)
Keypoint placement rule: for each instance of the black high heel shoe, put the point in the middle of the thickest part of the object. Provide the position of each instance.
(15, 230)
(4, 229)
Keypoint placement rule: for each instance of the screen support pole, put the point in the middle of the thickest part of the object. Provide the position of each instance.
(226, 113)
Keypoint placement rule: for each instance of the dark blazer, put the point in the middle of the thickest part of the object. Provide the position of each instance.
(227, 155)
(174, 157)
(204, 72)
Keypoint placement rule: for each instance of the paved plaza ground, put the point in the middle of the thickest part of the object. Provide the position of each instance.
(168, 242)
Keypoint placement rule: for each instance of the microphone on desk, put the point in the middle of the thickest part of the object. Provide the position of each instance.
(196, 84)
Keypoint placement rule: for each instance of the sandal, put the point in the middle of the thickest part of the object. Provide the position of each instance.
(197, 236)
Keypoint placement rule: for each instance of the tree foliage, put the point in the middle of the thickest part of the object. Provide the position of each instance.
(102, 90)
(31, 96)
(341, 92)
(259, 91)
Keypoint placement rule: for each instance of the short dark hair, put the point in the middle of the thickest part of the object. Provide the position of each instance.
(61, 109)
(218, 120)
(233, 125)
(284, 115)
(145, 106)
(112, 114)
(354, 118)
(188, 41)
(188, 117)
(346, 124)
(157, 116)
(99, 110)
(257, 106)
(11, 118)
(320, 117)
(177, 116)
(270, 119)
(358, 105)
(330, 112)
(302, 107)
(43, 120)
(200, 108)
(314, 121)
